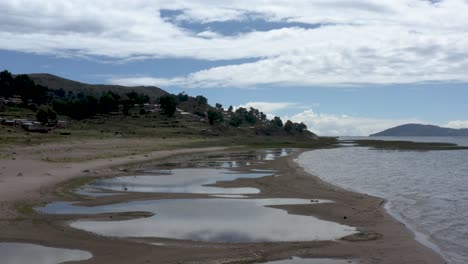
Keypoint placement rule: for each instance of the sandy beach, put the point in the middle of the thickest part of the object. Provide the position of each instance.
(26, 177)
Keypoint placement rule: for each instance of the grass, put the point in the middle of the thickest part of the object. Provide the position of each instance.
(67, 189)
(183, 130)
(27, 209)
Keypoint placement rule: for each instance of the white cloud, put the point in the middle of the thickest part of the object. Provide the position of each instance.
(458, 124)
(344, 125)
(270, 108)
(366, 41)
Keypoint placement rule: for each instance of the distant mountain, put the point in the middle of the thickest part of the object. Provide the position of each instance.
(418, 130)
(56, 82)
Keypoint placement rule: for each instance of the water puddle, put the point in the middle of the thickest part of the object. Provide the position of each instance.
(235, 160)
(229, 196)
(211, 220)
(89, 191)
(20, 253)
(296, 260)
(181, 181)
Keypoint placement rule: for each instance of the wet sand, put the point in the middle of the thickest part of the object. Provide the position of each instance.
(382, 238)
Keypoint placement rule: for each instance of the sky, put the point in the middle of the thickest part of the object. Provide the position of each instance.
(342, 67)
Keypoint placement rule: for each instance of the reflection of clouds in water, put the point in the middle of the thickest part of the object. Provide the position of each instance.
(19, 253)
(295, 260)
(182, 181)
(223, 220)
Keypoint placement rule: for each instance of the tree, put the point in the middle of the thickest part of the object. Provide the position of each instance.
(301, 127)
(215, 116)
(59, 93)
(277, 121)
(219, 106)
(127, 105)
(236, 121)
(26, 88)
(138, 98)
(168, 105)
(201, 99)
(182, 97)
(230, 108)
(199, 113)
(288, 126)
(109, 102)
(6, 84)
(42, 116)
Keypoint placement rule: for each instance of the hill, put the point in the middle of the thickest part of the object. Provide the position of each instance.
(418, 130)
(42, 100)
(56, 83)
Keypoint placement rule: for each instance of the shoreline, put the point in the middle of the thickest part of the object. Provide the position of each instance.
(418, 236)
(360, 210)
(422, 238)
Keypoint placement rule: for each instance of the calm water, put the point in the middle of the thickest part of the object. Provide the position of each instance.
(228, 216)
(19, 253)
(181, 181)
(218, 220)
(296, 260)
(426, 190)
(232, 160)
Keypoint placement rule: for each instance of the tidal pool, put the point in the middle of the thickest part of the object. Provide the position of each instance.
(210, 220)
(21, 253)
(296, 260)
(234, 160)
(181, 181)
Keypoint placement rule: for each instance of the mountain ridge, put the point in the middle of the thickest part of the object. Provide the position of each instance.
(56, 82)
(421, 130)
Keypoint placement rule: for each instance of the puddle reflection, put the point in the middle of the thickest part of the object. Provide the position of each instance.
(214, 220)
(20, 253)
(234, 160)
(181, 181)
(296, 260)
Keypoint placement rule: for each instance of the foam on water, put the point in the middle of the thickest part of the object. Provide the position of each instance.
(426, 190)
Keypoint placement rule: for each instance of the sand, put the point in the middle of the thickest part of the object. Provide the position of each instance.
(383, 239)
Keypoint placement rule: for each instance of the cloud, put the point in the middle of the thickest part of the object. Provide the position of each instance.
(458, 124)
(368, 41)
(270, 108)
(344, 125)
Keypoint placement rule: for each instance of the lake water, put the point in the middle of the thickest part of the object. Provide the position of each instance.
(21, 253)
(296, 260)
(428, 190)
(181, 181)
(213, 220)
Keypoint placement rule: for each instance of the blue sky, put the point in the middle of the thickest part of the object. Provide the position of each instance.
(343, 67)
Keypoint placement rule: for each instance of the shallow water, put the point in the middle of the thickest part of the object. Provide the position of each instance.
(426, 190)
(181, 181)
(233, 160)
(20, 253)
(296, 260)
(213, 220)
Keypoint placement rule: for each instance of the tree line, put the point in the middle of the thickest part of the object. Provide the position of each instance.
(75, 105)
(49, 102)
